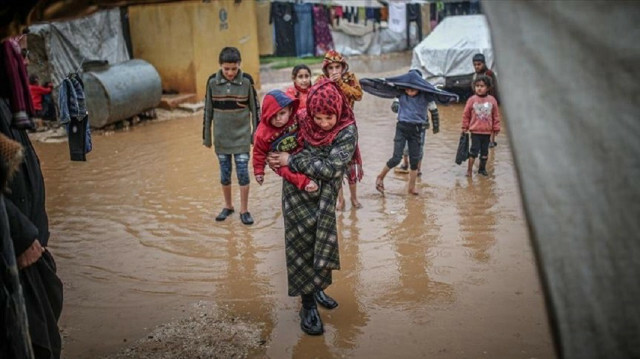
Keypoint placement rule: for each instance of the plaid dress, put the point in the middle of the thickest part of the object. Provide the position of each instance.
(311, 235)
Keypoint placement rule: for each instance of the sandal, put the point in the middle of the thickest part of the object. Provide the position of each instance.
(224, 214)
(380, 185)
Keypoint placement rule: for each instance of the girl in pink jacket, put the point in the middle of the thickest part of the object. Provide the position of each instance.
(481, 117)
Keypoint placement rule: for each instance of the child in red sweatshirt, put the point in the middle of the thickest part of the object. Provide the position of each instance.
(482, 118)
(278, 132)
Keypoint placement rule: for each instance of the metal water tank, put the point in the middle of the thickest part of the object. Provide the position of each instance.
(120, 91)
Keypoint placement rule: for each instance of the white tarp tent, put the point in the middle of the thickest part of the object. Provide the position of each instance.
(62, 47)
(357, 39)
(448, 49)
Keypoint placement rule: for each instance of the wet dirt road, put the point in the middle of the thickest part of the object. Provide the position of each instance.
(447, 274)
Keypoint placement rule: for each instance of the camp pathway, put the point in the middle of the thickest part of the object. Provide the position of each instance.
(447, 274)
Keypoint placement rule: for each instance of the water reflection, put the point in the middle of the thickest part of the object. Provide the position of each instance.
(416, 240)
(350, 317)
(244, 290)
(475, 204)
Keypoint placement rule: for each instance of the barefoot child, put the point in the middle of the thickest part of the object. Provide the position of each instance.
(336, 69)
(278, 131)
(482, 118)
(301, 76)
(328, 131)
(416, 97)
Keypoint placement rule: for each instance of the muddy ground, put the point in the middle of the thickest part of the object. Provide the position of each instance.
(149, 273)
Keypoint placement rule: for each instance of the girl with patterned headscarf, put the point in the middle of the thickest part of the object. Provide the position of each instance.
(329, 134)
(336, 69)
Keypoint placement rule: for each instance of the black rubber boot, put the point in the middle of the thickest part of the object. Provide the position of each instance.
(324, 300)
(310, 321)
(483, 167)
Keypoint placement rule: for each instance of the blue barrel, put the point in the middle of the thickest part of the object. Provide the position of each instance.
(121, 91)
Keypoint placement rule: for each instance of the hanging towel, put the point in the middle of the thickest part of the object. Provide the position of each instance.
(397, 17)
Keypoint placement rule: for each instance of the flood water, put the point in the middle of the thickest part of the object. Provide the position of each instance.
(447, 274)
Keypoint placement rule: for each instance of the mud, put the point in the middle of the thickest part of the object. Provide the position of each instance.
(447, 274)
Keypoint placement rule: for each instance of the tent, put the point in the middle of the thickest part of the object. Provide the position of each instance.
(59, 48)
(444, 57)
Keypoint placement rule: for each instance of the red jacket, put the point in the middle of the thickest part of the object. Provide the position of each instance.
(36, 95)
(301, 95)
(481, 115)
(283, 139)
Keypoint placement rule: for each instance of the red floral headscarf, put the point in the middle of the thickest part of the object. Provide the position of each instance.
(325, 97)
(334, 56)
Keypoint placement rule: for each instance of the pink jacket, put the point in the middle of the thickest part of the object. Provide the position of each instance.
(481, 115)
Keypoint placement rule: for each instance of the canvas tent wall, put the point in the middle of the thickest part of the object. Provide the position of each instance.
(571, 96)
(448, 50)
(59, 48)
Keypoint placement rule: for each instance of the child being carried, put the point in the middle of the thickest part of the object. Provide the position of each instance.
(278, 132)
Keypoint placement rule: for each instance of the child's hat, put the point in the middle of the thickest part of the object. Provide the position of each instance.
(274, 101)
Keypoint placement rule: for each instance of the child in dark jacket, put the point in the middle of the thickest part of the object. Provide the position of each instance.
(482, 118)
(277, 132)
(410, 128)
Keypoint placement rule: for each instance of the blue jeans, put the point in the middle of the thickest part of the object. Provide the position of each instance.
(242, 168)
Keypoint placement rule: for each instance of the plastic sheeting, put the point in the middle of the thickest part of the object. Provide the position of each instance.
(571, 95)
(65, 46)
(356, 39)
(448, 50)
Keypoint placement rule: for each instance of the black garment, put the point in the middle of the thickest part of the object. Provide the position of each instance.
(25, 206)
(479, 143)
(14, 341)
(406, 133)
(27, 186)
(48, 112)
(283, 16)
(463, 149)
(414, 14)
(76, 131)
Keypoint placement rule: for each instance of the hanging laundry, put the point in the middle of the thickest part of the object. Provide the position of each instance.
(74, 115)
(283, 16)
(14, 75)
(414, 14)
(321, 30)
(397, 17)
(304, 30)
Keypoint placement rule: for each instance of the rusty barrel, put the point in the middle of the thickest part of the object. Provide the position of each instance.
(120, 91)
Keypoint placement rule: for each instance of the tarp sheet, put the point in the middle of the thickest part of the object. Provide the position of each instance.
(65, 46)
(448, 49)
(571, 95)
(357, 39)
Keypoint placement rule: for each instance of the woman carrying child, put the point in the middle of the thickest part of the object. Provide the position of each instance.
(329, 134)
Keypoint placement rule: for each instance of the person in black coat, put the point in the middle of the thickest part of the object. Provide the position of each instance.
(15, 340)
(24, 201)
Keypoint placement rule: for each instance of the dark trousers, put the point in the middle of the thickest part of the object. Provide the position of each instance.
(406, 133)
(479, 143)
